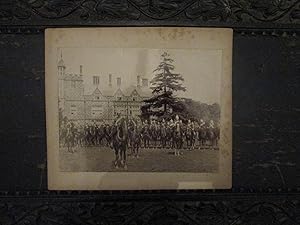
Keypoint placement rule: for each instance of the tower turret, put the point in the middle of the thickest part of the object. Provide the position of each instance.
(61, 66)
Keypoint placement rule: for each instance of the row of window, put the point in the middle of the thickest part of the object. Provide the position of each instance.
(98, 110)
(130, 112)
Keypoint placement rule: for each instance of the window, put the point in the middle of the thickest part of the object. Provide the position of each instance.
(73, 110)
(133, 99)
(73, 84)
(120, 98)
(97, 110)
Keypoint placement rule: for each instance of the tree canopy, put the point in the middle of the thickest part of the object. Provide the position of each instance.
(164, 84)
(165, 104)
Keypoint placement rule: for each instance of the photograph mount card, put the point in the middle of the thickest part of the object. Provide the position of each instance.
(138, 108)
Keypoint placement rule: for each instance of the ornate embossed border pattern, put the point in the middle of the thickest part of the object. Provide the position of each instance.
(275, 18)
(226, 12)
(211, 209)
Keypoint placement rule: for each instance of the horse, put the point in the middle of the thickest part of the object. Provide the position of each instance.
(177, 139)
(146, 136)
(88, 136)
(107, 130)
(169, 137)
(62, 136)
(202, 136)
(153, 135)
(135, 139)
(212, 136)
(70, 140)
(100, 135)
(163, 136)
(119, 143)
(190, 138)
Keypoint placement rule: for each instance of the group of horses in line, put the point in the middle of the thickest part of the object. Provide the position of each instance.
(126, 134)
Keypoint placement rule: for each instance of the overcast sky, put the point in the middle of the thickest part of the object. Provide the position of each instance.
(201, 69)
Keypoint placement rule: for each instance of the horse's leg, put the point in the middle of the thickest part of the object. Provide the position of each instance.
(69, 146)
(180, 145)
(192, 142)
(72, 147)
(133, 148)
(137, 150)
(117, 158)
(124, 157)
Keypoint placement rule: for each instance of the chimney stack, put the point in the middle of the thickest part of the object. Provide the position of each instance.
(138, 81)
(80, 71)
(110, 80)
(119, 81)
(96, 80)
(145, 82)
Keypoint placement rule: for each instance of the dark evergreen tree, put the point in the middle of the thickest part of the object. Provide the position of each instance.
(164, 84)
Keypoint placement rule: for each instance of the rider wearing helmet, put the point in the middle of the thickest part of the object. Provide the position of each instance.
(202, 123)
(211, 124)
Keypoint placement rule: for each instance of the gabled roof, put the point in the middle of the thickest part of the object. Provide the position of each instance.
(142, 92)
(128, 92)
(119, 92)
(97, 92)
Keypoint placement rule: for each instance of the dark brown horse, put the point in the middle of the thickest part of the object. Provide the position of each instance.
(202, 133)
(177, 139)
(135, 138)
(213, 136)
(119, 143)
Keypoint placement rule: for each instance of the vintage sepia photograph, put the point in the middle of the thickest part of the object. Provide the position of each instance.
(140, 110)
(149, 113)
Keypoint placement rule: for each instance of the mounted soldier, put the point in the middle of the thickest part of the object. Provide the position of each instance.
(119, 142)
(70, 137)
(177, 135)
(202, 132)
(211, 133)
(163, 134)
(134, 135)
(190, 135)
(146, 134)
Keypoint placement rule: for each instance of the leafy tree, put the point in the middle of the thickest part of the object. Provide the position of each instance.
(164, 84)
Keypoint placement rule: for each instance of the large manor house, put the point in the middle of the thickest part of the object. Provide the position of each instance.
(99, 104)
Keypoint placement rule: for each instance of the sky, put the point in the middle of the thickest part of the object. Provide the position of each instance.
(200, 68)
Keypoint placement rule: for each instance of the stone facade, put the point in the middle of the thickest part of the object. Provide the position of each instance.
(101, 104)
